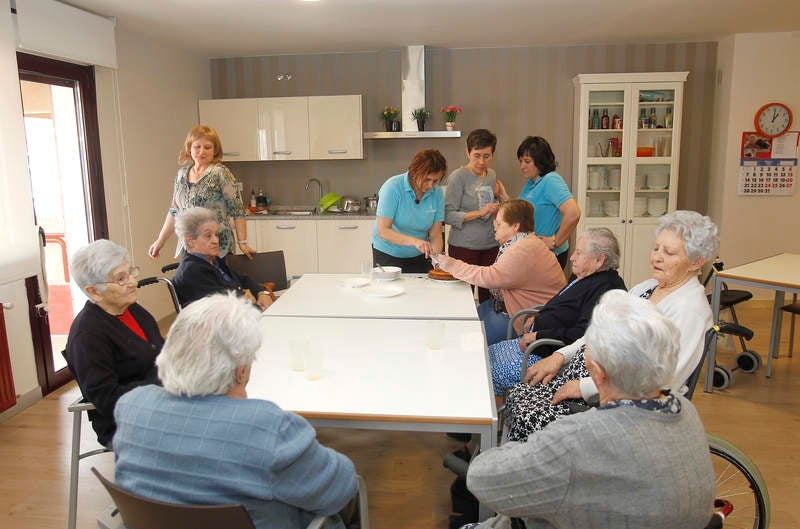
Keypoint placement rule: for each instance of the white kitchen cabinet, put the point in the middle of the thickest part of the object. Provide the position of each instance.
(283, 128)
(335, 127)
(627, 176)
(297, 239)
(287, 128)
(236, 123)
(342, 244)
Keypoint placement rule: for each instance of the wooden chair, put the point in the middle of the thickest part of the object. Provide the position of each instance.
(138, 512)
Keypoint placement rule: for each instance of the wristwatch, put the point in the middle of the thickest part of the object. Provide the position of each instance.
(554, 242)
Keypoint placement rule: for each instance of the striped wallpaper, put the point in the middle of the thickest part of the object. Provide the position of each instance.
(514, 92)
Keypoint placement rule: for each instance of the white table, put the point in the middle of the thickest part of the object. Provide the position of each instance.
(780, 273)
(378, 374)
(323, 296)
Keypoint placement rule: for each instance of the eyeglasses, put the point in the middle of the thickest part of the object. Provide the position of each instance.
(133, 272)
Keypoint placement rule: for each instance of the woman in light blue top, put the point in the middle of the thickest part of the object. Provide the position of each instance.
(408, 228)
(555, 210)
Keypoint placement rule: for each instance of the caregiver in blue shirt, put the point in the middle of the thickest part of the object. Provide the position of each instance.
(555, 210)
(408, 228)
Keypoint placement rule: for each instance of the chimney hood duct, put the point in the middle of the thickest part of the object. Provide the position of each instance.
(413, 72)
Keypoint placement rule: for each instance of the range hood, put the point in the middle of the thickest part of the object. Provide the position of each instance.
(413, 96)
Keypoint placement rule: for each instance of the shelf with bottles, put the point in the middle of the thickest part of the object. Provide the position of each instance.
(655, 116)
(600, 118)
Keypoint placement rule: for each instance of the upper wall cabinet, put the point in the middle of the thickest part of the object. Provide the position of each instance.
(236, 122)
(287, 128)
(283, 128)
(335, 127)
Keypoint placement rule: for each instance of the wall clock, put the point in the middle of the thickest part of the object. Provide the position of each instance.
(773, 119)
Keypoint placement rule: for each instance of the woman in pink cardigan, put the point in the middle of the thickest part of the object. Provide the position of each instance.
(525, 273)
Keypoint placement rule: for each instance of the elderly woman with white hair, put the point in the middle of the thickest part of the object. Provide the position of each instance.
(202, 271)
(685, 241)
(639, 460)
(200, 440)
(113, 342)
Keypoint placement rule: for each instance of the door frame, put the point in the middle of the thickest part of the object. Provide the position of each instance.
(82, 80)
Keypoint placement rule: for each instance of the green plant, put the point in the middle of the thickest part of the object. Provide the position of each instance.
(420, 114)
(389, 113)
(450, 113)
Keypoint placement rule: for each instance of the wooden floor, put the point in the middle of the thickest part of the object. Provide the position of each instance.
(403, 471)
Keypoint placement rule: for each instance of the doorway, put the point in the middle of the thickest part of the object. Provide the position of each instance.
(59, 108)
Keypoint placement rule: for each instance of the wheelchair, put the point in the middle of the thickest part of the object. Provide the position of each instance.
(742, 495)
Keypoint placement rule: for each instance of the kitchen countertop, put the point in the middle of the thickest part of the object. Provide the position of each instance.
(322, 216)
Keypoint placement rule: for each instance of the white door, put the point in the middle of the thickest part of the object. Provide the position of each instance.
(343, 244)
(297, 239)
(283, 123)
(335, 127)
(236, 123)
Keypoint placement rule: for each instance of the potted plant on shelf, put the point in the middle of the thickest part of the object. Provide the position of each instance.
(420, 115)
(449, 114)
(387, 115)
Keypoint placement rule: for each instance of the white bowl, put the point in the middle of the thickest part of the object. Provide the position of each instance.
(386, 273)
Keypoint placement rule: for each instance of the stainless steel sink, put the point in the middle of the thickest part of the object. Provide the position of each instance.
(300, 211)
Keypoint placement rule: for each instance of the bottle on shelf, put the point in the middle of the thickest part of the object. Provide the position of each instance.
(253, 202)
(643, 120)
(616, 122)
(668, 118)
(595, 119)
(604, 120)
(653, 119)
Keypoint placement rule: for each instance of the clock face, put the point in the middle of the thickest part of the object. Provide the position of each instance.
(773, 119)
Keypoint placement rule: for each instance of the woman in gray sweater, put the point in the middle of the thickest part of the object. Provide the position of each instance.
(470, 205)
(639, 460)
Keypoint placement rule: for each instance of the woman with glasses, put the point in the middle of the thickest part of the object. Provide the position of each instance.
(113, 342)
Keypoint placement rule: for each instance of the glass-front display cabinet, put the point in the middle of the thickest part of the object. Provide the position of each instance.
(626, 157)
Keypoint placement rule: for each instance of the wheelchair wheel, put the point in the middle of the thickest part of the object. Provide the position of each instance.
(722, 377)
(748, 361)
(740, 482)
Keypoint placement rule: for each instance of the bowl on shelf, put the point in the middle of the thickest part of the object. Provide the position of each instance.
(639, 206)
(656, 206)
(645, 152)
(657, 181)
(611, 208)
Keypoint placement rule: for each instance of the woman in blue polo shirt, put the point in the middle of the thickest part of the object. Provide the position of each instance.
(408, 228)
(555, 210)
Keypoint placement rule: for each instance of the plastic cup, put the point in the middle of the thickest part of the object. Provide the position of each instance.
(434, 334)
(297, 352)
(312, 361)
(366, 268)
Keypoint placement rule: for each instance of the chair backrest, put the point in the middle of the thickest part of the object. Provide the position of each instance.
(264, 267)
(139, 512)
(691, 382)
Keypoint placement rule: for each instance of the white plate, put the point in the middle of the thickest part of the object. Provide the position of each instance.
(385, 279)
(354, 282)
(383, 291)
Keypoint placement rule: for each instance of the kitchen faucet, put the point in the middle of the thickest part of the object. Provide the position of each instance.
(319, 191)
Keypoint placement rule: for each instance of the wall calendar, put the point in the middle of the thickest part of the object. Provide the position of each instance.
(768, 166)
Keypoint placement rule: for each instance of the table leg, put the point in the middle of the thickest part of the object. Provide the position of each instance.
(711, 356)
(488, 440)
(775, 337)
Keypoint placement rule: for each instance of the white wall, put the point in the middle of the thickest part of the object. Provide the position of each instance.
(754, 68)
(145, 108)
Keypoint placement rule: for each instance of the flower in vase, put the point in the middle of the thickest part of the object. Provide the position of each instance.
(449, 113)
(389, 113)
